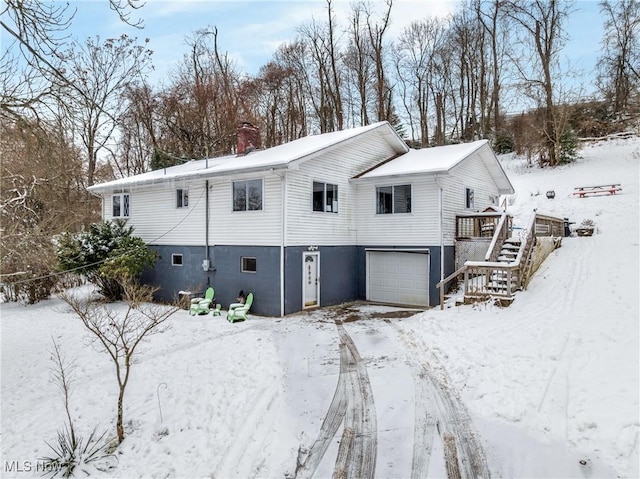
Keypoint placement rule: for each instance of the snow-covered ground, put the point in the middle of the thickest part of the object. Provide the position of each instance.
(547, 387)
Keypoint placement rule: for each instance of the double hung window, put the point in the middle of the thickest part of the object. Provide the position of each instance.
(325, 197)
(247, 195)
(393, 199)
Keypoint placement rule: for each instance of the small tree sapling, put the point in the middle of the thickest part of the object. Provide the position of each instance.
(120, 333)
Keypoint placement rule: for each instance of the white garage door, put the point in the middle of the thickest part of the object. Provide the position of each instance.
(398, 277)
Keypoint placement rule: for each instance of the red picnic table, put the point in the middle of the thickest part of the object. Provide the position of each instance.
(611, 188)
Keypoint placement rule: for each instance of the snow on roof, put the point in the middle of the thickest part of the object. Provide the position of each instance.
(441, 159)
(426, 160)
(277, 157)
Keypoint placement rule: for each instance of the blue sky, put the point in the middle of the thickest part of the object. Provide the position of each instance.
(250, 31)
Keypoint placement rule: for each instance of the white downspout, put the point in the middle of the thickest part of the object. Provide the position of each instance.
(283, 219)
(282, 241)
(206, 222)
(440, 207)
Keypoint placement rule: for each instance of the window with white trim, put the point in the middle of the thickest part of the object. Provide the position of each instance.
(182, 198)
(247, 195)
(248, 264)
(325, 197)
(468, 198)
(176, 260)
(120, 205)
(393, 199)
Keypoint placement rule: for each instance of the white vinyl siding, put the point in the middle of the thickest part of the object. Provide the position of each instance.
(418, 228)
(253, 227)
(335, 167)
(473, 174)
(156, 219)
(182, 198)
(422, 226)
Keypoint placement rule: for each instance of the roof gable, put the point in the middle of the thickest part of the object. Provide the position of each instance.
(441, 160)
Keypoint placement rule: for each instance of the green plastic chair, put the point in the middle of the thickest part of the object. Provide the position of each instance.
(201, 305)
(238, 312)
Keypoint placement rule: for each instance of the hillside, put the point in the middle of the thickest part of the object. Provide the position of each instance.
(545, 388)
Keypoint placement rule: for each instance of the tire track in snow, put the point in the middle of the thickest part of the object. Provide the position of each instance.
(353, 405)
(360, 423)
(330, 424)
(437, 404)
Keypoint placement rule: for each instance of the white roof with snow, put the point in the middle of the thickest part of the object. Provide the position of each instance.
(278, 157)
(441, 159)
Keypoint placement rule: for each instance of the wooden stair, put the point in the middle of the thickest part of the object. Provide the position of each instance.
(499, 279)
(509, 251)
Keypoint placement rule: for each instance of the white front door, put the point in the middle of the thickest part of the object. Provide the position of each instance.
(310, 279)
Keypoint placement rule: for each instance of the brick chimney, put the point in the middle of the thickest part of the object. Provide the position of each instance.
(248, 138)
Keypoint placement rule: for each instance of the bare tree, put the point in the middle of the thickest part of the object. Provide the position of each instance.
(41, 194)
(323, 78)
(31, 66)
(541, 21)
(358, 62)
(199, 111)
(416, 51)
(619, 66)
(102, 71)
(491, 17)
(138, 139)
(120, 334)
(376, 31)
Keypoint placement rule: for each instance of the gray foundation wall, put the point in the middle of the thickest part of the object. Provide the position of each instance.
(342, 274)
(225, 275)
(340, 270)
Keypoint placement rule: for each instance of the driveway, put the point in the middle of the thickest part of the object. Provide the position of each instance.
(386, 407)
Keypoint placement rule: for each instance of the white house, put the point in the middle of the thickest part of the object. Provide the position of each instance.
(347, 215)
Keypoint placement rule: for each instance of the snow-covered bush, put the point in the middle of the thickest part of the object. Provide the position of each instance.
(107, 254)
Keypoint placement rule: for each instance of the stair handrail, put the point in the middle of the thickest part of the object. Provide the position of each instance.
(525, 247)
(440, 285)
(527, 239)
(496, 235)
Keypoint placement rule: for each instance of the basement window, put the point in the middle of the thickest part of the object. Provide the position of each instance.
(176, 260)
(248, 265)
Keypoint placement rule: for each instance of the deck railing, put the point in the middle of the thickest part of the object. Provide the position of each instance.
(490, 278)
(483, 279)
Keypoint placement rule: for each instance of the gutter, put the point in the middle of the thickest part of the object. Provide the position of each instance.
(106, 187)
